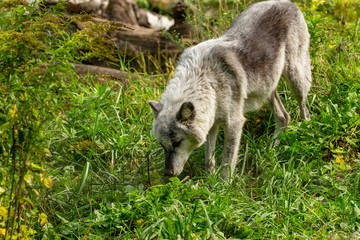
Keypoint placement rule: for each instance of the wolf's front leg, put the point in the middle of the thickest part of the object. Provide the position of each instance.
(231, 146)
(210, 149)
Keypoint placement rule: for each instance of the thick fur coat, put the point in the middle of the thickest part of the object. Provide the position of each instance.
(217, 81)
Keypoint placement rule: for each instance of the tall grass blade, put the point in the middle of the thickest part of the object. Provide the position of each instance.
(208, 220)
(84, 177)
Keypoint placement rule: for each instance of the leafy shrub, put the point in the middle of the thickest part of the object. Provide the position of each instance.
(37, 50)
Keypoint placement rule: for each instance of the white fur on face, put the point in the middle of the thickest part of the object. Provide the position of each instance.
(182, 155)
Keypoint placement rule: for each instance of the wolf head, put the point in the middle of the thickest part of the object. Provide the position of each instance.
(173, 128)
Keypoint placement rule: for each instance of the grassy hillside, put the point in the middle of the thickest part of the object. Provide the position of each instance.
(78, 160)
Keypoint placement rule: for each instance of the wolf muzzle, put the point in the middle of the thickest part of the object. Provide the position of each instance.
(169, 172)
(169, 168)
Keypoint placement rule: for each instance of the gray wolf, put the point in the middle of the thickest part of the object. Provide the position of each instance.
(217, 81)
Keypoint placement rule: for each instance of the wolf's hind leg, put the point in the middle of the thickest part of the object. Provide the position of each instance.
(298, 75)
(210, 149)
(282, 117)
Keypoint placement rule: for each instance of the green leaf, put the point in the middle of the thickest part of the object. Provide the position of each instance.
(337, 150)
(84, 176)
(356, 209)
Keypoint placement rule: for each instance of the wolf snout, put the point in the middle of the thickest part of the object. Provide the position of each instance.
(169, 172)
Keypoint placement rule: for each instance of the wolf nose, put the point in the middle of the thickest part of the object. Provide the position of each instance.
(169, 172)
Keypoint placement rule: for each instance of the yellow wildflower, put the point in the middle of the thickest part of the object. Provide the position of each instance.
(13, 111)
(340, 159)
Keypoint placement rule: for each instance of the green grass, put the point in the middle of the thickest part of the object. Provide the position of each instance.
(106, 166)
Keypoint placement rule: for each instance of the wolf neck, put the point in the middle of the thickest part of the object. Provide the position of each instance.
(192, 83)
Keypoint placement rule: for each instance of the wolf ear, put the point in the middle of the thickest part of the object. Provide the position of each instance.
(156, 107)
(186, 112)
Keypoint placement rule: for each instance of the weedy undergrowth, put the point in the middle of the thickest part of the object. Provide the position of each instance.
(37, 50)
(78, 160)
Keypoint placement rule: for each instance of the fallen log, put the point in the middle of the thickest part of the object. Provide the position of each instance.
(139, 39)
(91, 69)
(135, 39)
(105, 74)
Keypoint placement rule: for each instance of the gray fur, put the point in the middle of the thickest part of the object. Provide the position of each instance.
(217, 81)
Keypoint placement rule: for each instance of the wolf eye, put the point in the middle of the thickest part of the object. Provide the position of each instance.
(176, 144)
